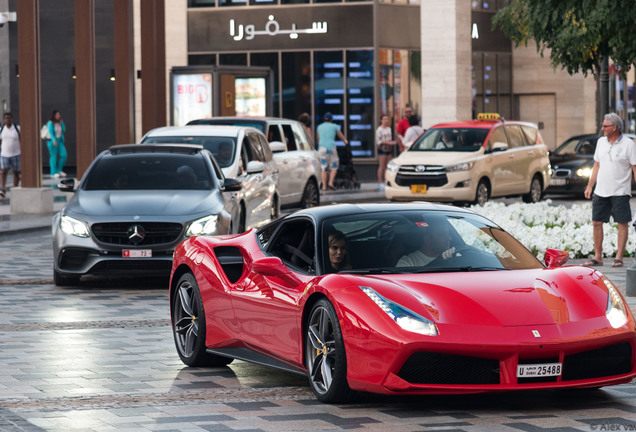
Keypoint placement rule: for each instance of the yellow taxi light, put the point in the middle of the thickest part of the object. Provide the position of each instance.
(488, 116)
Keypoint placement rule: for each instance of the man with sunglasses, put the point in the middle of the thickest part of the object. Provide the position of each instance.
(614, 165)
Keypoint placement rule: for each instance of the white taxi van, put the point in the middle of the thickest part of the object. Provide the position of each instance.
(472, 161)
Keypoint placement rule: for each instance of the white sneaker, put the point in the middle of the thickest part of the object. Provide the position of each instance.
(56, 175)
(62, 174)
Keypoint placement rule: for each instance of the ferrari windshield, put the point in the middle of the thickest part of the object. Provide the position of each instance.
(223, 148)
(451, 139)
(414, 241)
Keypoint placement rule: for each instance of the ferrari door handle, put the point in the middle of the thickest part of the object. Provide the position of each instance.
(511, 156)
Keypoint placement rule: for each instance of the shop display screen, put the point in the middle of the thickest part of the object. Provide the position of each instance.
(192, 97)
(250, 97)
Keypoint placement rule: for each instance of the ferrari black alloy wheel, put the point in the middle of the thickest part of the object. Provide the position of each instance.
(188, 325)
(325, 355)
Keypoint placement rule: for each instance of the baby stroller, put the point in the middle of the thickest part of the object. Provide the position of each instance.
(346, 177)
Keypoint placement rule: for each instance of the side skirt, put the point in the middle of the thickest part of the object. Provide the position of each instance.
(252, 356)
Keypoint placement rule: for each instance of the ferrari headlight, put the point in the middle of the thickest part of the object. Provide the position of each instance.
(466, 166)
(73, 226)
(392, 167)
(406, 319)
(616, 312)
(204, 226)
(584, 172)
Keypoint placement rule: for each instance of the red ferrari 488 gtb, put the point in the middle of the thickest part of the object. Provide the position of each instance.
(398, 299)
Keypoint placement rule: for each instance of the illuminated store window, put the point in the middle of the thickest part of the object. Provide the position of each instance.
(294, 1)
(385, 58)
(263, 2)
(296, 78)
(329, 86)
(360, 112)
(271, 61)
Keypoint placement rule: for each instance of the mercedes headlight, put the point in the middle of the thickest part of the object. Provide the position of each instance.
(616, 312)
(204, 226)
(466, 166)
(406, 319)
(392, 167)
(73, 226)
(584, 172)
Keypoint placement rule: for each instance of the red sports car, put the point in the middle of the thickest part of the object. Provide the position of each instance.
(399, 299)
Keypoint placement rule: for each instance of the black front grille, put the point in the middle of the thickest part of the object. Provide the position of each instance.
(154, 267)
(155, 233)
(562, 173)
(430, 175)
(436, 368)
(602, 362)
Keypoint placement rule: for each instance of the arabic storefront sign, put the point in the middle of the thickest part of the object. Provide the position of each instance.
(272, 28)
(295, 27)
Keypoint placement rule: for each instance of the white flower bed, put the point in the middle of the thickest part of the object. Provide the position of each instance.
(541, 226)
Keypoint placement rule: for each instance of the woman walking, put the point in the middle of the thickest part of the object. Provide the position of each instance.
(57, 151)
(385, 143)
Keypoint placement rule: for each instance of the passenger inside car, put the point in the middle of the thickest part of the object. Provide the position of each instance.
(338, 253)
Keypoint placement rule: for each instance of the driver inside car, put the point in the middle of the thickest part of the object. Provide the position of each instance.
(435, 244)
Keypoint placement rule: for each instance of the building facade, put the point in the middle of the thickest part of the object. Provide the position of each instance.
(356, 59)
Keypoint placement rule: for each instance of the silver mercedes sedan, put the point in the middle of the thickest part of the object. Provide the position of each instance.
(135, 204)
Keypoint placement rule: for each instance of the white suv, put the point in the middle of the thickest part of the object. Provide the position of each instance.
(294, 152)
(243, 154)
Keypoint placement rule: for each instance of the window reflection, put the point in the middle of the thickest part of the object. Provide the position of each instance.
(271, 61)
(296, 78)
(329, 86)
(360, 102)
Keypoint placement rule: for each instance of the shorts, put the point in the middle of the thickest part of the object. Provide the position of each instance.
(12, 162)
(616, 206)
(328, 159)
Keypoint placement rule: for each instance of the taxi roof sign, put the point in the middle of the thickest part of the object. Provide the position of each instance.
(489, 116)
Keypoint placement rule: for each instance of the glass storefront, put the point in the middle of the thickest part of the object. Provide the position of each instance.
(338, 73)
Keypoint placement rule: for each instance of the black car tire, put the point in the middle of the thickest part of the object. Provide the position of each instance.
(64, 280)
(311, 195)
(536, 191)
(482, 193)
(188, 325)
(325, 355)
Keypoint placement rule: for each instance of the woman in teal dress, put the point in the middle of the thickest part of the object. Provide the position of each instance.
(57, 150)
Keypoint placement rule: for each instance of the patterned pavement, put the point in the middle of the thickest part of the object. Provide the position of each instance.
(101, 358)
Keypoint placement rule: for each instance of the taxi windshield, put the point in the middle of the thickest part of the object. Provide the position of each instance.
(451, 139)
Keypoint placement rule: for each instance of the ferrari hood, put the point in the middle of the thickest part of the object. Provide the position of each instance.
(143, 203)
(502, 298)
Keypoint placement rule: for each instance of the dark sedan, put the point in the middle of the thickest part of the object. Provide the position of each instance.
(134, 205)
(572, 164)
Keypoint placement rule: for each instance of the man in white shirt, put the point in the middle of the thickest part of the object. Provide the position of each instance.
(614, 165)
(9, 152)
(435, 243)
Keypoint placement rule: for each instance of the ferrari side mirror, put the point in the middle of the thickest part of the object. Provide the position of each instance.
(555, 258)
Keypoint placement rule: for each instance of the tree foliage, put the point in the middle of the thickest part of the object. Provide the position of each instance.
(579, 33)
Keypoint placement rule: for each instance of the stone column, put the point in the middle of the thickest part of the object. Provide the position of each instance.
(446, 61)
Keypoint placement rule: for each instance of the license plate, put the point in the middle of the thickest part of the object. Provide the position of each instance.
(539, 370)
(418, 189)
(558, 182)
(136, 253)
